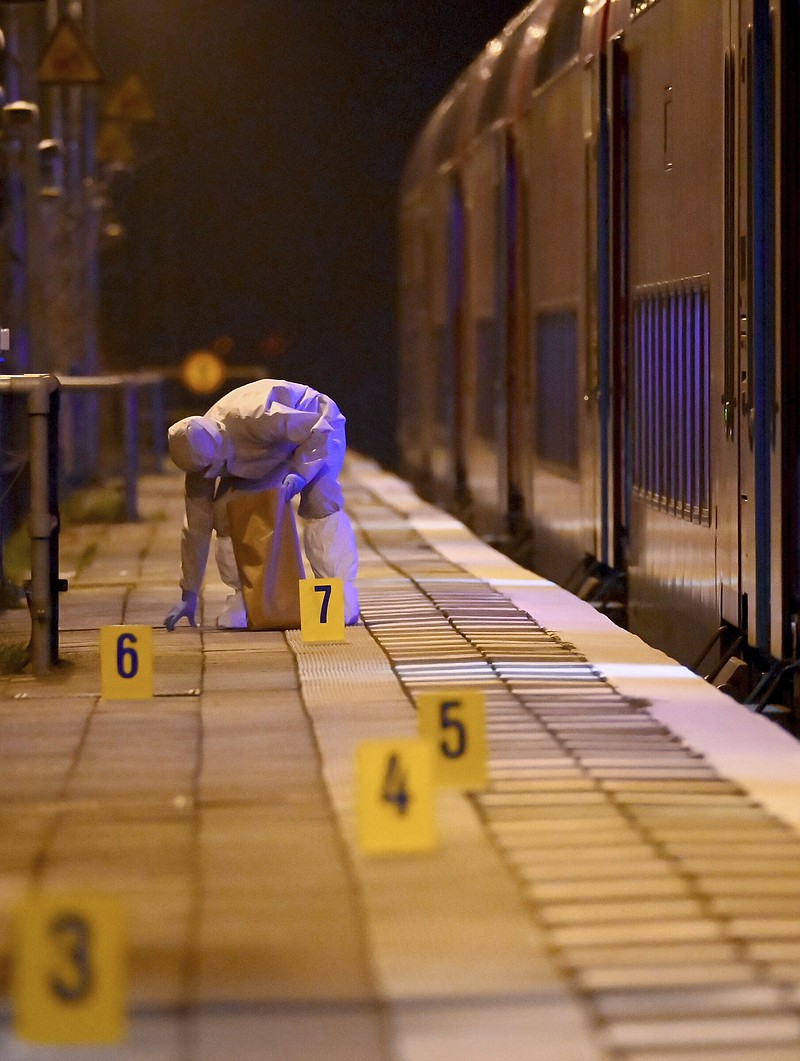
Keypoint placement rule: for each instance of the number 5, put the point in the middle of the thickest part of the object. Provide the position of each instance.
(450, 723)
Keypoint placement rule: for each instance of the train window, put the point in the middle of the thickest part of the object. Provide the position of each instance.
(557, 387)
(670, 397)
(561, 41)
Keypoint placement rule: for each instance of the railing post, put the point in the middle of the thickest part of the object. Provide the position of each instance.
(158, 424)
(130, 396)
(41, 524)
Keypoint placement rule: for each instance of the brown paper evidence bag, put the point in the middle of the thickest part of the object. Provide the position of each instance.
(268, 555)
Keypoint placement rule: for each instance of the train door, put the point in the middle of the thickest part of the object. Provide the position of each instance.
(670, 311)
(456, 289)
(612, 284)
(517, 372)
(789, 318)
(754, 298)
(445, 276)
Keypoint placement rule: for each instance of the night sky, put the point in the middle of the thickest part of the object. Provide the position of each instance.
(264, 201)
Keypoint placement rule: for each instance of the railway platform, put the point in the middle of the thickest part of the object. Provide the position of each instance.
(625, 888)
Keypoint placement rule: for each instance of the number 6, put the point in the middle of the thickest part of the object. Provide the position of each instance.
(127, 657)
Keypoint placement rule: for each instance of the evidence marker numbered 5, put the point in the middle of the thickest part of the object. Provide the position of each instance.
(455, 721)
(126, 662)
(69, 970)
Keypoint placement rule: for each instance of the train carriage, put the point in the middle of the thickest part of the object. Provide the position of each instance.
(599, 345)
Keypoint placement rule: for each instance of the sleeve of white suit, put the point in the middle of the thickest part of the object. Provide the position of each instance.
(323, 449)
(198, 523)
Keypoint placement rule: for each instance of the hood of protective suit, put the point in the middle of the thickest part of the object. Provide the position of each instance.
(196, 444)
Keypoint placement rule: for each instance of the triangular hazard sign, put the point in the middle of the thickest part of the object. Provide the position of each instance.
(113, 144)
(67, 59)
(130, 102)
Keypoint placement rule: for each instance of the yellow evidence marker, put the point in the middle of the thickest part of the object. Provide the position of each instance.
(455, 721)
(322, 609)
(69, 971)
(396, 796)
(126, 662)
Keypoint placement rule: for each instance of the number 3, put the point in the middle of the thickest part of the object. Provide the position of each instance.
(73, 936)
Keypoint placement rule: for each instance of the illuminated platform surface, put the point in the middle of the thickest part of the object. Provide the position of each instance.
(627, 888)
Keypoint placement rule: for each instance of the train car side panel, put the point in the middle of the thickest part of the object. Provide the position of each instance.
(563, 497)
(675, 58)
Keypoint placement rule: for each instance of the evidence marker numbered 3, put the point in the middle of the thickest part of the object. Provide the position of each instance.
(69, 971)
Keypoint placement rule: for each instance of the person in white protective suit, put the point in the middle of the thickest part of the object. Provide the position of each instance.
(269, 433)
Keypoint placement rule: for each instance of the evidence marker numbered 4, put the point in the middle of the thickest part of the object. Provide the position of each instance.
(396, 796)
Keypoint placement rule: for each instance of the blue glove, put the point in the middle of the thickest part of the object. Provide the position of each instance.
(185, 609)
(293, 484)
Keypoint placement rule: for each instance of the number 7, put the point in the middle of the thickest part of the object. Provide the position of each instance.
(326, 591)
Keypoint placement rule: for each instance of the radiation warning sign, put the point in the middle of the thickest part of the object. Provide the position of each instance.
(67, 59)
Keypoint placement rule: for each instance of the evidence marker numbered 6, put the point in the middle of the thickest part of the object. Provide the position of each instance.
(126, 662)
(69, 969)
(322, 609)
(395, 796)
(455, 721)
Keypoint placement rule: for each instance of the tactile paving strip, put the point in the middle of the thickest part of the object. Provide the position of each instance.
(669, 896)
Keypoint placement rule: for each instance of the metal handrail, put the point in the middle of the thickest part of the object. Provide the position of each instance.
(130, 384)
(42, 595)
(43, 393)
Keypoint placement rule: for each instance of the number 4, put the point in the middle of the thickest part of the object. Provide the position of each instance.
(395, 785)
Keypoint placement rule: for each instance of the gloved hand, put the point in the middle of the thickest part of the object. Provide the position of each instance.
(185, 609)
(293, 484)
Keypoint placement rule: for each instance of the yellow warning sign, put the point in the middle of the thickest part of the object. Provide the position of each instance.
(130, 102)
(67, 59)
(203, 372)
(113, 144)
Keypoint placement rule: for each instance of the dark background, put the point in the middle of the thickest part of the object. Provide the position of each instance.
(263, 202)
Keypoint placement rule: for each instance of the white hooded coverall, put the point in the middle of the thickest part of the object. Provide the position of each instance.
(253, 438)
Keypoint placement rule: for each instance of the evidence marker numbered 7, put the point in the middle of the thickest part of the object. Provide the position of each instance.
(126, 662)
(322, 609)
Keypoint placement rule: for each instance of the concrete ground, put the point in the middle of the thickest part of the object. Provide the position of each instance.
(580, 909)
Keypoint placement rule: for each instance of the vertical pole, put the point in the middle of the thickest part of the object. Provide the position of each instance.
(91, 235)
(41, 526)
(158, 422)
(34, 265)
(130, 395)
(55, 519)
